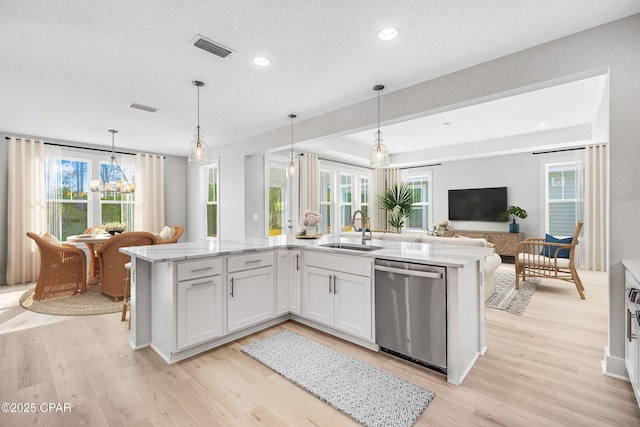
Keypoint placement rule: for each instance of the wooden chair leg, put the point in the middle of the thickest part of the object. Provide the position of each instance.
(576, 280)
(126, 299)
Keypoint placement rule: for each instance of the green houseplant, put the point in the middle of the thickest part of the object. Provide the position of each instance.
(397, 200)
(514, 212)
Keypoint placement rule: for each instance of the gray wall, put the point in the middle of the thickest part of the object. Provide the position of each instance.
(254, 196)
(611, 48)
(175, 192)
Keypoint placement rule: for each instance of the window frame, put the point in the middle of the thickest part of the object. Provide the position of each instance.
(406, 176)
(547, 202)
(205, 200)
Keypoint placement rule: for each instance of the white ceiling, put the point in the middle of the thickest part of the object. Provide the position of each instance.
(70, 72)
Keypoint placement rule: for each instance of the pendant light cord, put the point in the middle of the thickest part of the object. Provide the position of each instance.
(198, 129)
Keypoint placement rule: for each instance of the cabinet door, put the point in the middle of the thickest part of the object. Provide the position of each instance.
(199, 311)
(295, 302)
(317, 295)
(352, 296)
(283, 281)
(250, 298)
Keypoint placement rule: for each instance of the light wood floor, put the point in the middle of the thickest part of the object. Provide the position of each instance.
(542, 368)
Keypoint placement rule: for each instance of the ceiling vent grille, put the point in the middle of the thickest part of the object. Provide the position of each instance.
(142, 107)
(211, 46)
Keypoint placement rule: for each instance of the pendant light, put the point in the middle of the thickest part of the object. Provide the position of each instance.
(379, 154)
(291, 168)
(198, 148)
(116, 181)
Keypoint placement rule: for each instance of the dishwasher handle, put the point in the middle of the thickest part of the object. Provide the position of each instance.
(427, 274)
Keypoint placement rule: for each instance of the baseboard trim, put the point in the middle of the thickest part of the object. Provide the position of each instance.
(614, 366)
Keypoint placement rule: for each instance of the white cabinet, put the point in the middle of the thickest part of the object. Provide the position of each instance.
(288, 281)
(336, 298)
(250, 291)
(198, 302)
(632, 341)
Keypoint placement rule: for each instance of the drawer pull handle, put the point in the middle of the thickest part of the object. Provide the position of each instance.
(335, 288)
(297, 262)
(201, 269)
(232, 287)
(252, 261)
(330, 278)
(202, 283)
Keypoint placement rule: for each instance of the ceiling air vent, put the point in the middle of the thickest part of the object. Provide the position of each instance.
(211, 46)
(142, 107)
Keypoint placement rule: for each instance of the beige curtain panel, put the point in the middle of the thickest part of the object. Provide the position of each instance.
(309, 195)
(26, 208)
(382, 178)
(595, 202)
(149, 195)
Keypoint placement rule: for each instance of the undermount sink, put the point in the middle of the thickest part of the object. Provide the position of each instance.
(351, 246)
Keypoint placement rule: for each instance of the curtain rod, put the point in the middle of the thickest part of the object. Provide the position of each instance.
(84, 148)
(342, 163)
(557, 151)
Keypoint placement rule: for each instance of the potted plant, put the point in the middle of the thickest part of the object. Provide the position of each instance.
(514, 212)
(397, 200)
(114, 227)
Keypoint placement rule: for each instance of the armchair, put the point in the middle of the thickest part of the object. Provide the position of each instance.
(536, 257)
(63, 269)
(172, 238)
(112, 261)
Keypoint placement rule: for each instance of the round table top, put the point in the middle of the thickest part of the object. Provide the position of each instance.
(88, 238)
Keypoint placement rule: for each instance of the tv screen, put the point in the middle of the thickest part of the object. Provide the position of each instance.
(477, 204)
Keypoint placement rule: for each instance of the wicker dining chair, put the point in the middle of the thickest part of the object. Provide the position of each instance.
(63, 269)
(112, 261)
(174, 239)
(536, 257)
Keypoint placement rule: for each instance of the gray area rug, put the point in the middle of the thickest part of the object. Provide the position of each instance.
(507, 298)
(369, 395)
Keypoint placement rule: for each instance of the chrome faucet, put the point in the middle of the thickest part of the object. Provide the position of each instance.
(353, 224)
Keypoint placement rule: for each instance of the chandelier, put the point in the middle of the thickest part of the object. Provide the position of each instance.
(115, 180)
(198, 148)
(379, 155)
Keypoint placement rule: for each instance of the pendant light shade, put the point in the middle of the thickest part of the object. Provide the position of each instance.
(113, 180)
(291, 167)
(379, 154)
(197, 147)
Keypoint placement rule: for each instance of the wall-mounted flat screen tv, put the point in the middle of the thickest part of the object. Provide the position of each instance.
(477, 204)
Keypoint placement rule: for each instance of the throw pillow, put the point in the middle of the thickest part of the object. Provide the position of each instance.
(50, 238)
(550, 251)
(167, 233)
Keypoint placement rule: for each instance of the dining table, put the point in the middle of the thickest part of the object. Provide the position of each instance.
(91, 241)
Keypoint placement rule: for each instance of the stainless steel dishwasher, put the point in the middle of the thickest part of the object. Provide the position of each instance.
(411, 312)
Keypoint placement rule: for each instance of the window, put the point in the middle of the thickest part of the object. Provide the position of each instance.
(364, 195)
(343, 190)
(346, 200)
(212, 200)
(326, 190)
(67, 187)
(420, 218)
(561, 200)
(117, 207)
(277, 197)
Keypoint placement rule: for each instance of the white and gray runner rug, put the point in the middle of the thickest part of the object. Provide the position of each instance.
(369, 395)
(507, 298)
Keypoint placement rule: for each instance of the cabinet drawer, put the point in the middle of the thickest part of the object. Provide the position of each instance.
(361, 266)
(200, 268)
(247, 261)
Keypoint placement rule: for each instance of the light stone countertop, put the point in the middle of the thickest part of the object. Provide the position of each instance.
(633, 266)
(434, 254)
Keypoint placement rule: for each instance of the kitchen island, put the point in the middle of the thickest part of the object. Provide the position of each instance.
(187, 298)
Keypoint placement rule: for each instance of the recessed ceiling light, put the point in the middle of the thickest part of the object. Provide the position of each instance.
(543, 124)
(388, 33)
(261, 61)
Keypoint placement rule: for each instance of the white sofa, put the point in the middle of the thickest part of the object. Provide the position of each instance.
(491, 262)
